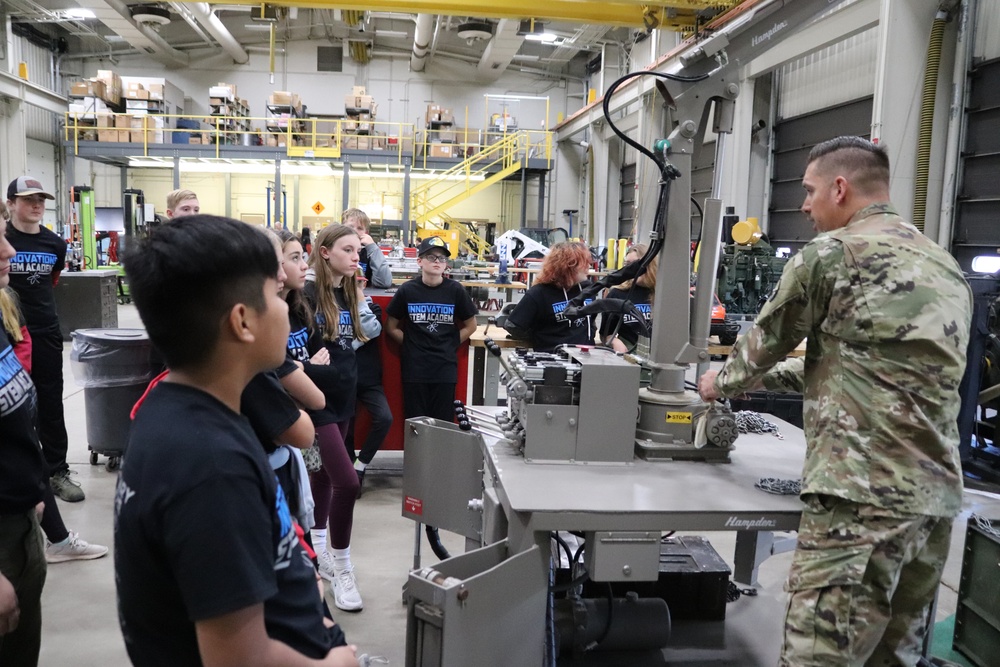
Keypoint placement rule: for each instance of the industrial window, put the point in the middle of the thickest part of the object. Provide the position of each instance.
(793, 139)
(977, 206)
(329, 59)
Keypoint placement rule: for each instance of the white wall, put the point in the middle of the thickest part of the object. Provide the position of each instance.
(402, 96)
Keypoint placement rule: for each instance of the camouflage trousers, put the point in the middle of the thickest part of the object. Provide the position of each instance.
(861, 585)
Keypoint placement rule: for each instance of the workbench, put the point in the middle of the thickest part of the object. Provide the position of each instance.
(658, 495)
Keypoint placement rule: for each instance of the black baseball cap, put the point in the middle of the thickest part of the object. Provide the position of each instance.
(25, 186)
(432, 243)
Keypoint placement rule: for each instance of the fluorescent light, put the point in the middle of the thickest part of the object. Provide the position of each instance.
(544, 37)
(392, 33)
(986, 264)
(80, 13)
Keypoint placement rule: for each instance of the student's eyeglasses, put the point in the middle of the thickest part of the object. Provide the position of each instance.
(436, 259)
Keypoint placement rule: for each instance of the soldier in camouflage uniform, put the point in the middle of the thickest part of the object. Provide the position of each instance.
(887, 315)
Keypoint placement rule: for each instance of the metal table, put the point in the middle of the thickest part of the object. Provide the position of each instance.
(663, 495)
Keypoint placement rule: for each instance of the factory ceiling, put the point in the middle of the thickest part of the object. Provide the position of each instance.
(543, 37)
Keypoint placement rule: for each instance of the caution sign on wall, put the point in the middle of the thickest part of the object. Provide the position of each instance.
(318, 207)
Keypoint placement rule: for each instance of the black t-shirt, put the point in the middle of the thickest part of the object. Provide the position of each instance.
(202, 529)
(365, 265)
(269, 408)
(339, 380)
(23, 471)
(630, 329)
(39, 259)
(540, 312)
(431, 318)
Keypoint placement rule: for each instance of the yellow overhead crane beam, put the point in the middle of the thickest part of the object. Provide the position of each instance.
(665, 14)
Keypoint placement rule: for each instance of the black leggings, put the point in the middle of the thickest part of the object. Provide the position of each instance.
(374, 400)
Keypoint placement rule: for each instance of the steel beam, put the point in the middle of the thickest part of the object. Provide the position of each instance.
(628, 13)
(32, 94)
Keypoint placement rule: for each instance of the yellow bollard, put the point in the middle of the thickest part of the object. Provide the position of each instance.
(612, 246)
(591, 95)
(22, 70)
(622, 251)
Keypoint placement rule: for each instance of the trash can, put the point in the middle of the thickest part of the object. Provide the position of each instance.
(114, 367)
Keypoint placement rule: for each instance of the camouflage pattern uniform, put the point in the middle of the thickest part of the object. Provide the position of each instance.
(887, 315)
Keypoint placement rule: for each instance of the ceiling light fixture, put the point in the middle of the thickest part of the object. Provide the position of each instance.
(149, 14)
(544, 37)
(472, 31)
(80, 13)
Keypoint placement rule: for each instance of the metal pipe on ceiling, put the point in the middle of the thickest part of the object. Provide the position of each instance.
(190, 19)
(202, 11)
(422, 42)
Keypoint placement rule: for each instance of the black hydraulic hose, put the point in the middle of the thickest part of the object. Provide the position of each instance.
(434, 539)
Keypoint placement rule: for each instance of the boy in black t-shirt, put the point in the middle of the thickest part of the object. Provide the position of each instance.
(209, 565)
(34, 272)
(437, 316)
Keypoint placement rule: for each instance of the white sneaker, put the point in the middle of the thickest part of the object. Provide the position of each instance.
(326, 570)
(345, 591)
(73, 548)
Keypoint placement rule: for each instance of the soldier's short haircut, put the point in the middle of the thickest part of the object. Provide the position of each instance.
(176, 197)
(865, 163)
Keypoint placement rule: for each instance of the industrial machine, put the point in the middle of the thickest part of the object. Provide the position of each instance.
(583, 453)
(749, 269)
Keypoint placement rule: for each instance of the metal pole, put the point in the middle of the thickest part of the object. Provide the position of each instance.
(277, 193)
(407, 223)
(541, 198)
(177, 172)
(524, 194)
(346, 197)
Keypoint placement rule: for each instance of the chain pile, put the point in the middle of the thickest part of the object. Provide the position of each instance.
(748, 421)
(780, 487)
(733, 592)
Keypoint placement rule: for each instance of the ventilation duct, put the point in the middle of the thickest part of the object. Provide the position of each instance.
(422, 36)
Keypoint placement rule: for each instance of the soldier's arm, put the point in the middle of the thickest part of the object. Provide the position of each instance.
(797, 306)
(786, 376)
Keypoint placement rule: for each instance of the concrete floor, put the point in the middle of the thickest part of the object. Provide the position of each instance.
(80, 618)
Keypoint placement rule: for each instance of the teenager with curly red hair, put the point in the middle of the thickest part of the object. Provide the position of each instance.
(540, 315)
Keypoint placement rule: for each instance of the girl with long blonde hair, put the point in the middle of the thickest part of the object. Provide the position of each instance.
(342, 322)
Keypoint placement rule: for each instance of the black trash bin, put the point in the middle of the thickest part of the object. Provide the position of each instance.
(114, 366)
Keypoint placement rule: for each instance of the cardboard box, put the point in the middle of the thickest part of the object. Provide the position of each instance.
(123, 121)
(433, 113)
(226, 91)
(138, 122)
(358, 103)
(442, 150)
(108, 135)
(136, 94)
(155, 91)
(112, 84)
(444, 136)
(88, 135)
(89, 88)
(281, 98)
(105, 120)
(358, 90)
(124, 136)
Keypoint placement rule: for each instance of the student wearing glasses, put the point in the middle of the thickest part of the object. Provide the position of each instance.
(430, 317)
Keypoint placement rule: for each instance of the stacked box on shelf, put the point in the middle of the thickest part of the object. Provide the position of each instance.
(284, 117)
(230, 114)
(359, 126)
(440, 132)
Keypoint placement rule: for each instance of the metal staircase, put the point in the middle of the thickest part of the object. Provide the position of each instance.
(430, 201)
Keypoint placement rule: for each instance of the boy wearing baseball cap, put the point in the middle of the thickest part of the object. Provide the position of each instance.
(34, 272)
(430, 317)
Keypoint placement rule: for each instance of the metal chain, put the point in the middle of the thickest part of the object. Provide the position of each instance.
(748, 421)
(780, 487)
(986, 525)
